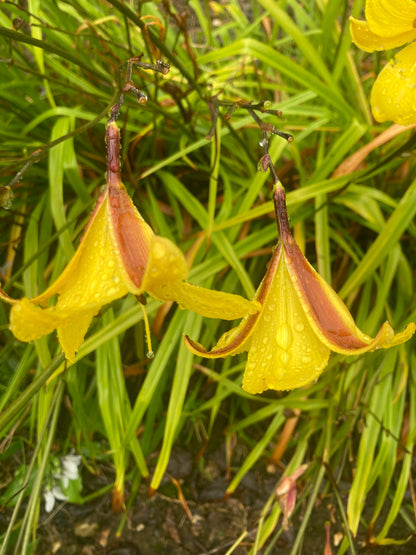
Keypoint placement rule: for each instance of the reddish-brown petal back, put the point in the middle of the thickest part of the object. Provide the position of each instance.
(132, 233)
(322, 310)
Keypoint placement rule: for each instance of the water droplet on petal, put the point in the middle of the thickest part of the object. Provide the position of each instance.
(284, 357)
(284, 337)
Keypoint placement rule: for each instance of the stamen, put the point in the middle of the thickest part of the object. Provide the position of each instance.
(150, 353)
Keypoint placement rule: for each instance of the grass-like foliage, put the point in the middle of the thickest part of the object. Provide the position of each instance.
(352, 210)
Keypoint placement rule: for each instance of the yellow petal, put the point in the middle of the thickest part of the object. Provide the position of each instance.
(369, 41)
(393, 97)
(327, 314)
(166, 266)
(401, 337)
(29, 322)
(285, 352)
(212, 304)
(232, 342)
(71, 334)
(95, 274)
(390, 18)
(164, 280)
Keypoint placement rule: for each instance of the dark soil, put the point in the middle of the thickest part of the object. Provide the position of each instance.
(205, 524)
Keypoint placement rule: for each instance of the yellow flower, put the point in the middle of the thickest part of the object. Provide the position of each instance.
(301, 321)
(389, 25)
(119, 253)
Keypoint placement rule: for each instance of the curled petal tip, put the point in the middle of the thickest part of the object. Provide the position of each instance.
(194, 347)
(400, 337)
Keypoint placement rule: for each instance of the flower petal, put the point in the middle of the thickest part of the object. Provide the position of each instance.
(166, 266)
(132, 234)
(164, 280)
(285, 351)
(232, 342)
(369, 41)
(393, 96)
(95, 274)
(71, 334)
(213, 304)
(328, 315)
(390, 18)
(29, 322)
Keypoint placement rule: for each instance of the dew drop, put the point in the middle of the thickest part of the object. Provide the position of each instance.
(284, 357)
(158, 251)
(299, 327)
(284, 337)
(150, 354)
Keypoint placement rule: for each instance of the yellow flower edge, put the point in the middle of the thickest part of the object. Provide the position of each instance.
(390, 18)
(393, 96)
(165, 258)
(369, 41)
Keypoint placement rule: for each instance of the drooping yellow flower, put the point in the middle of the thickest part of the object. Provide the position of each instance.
(119, 253)
(302, 320)
(389, 25)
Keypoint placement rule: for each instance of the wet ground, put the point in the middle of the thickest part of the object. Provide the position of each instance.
(204, 524)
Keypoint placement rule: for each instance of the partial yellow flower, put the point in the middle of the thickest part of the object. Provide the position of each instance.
(389, 25)
(119, 253)
(302, 320)
(398, 77)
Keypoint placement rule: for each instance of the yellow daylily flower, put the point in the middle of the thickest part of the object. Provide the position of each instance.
(302, 320)
(119, 253)
(389, 25)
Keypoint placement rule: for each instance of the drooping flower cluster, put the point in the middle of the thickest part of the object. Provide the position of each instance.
(289, 329)
(390, 24)
(119, 253)
(302, 320)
